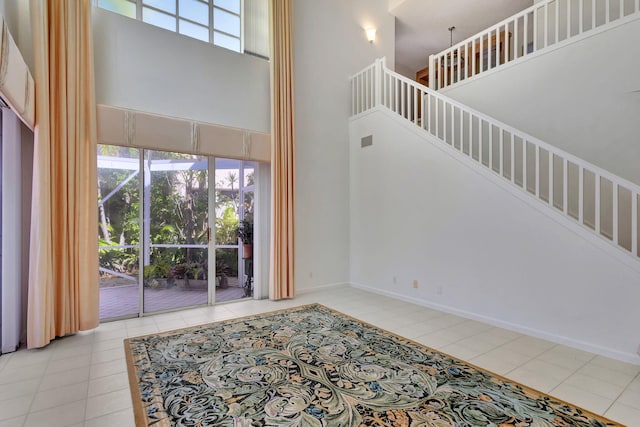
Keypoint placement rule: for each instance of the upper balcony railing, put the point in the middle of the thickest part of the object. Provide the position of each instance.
(538, 27)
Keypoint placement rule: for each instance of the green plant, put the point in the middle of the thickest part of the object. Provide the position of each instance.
(222, 268)
(245, 232)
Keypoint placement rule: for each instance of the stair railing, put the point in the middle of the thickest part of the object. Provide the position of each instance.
(599, 201)
(538, 27)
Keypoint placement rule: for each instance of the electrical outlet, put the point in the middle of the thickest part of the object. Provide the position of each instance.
(415, 283)
(439, 290)
(311, 275)
(395, 280)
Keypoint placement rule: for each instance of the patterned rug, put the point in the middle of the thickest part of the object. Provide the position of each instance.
(312, 366)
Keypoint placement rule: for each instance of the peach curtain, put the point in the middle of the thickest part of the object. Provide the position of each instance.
(281, 279)
(63, 261)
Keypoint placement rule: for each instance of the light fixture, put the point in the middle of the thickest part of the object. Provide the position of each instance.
(371, 34)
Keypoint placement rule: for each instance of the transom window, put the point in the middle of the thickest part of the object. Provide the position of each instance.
(214, 21)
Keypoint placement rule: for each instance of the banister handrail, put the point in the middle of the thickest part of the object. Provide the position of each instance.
(377, 86)
(546, 146)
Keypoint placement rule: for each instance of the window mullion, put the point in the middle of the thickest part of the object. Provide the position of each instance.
(139, 10)
(241, 26)
(178, 16)
(211, 21)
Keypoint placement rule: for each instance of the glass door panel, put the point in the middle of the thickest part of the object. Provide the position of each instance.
(176, 225)
(233, 204)
(118, 230)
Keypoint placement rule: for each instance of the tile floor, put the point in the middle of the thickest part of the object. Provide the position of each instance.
(81, 380)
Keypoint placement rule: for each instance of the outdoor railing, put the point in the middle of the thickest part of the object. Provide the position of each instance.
(540, 26)
(601, 202)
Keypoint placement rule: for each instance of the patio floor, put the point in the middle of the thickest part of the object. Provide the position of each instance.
(118, 301)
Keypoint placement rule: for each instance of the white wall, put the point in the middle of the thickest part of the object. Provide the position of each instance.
(329, 45)
(583, 98)
(150, 69)
(418, 213)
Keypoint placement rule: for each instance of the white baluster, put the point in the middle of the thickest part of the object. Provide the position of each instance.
(607, 11)
(473, 56)
(480, 140)
(565, 186)
(445, 113)
(489, 50)
(525, 35)
(634, 223)
(581, 16)
(513, 158)
(367, 89)
(396, 106)
(593, 14)
(461, 131)
(557, 19)
(524, 165)
(501, 155)
(551, 177)
(569, 18)
(481, 53)
(535, 29)
(437, 134)
(597, 197)
(453, 124)
(546, 23)
(614, 215)
(428, 117)
(515, 38)
(402, 99)
(490, 146)
(415, 105)
(537, 172)
(580, 194)
(621, 14)
(471, 135)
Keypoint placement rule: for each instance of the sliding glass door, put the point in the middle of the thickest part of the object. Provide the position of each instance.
(119, 230)
(176, 227)
(168, 229)
(233, 211)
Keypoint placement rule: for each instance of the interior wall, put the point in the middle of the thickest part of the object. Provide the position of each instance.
(475, 249)
(146, 68)
(583, 98)
(329, 45)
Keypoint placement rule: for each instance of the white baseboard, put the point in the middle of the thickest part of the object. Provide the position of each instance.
(559, 339)
(302, 291)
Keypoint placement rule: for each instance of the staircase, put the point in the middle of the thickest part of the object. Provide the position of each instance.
(600, 203)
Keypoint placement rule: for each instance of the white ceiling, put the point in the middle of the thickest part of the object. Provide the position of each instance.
(421, 25)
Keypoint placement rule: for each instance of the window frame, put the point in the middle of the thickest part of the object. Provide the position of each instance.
(212, 30)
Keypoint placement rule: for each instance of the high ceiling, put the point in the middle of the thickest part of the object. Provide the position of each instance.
(421, 25)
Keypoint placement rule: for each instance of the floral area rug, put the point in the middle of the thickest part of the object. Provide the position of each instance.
(312, 366)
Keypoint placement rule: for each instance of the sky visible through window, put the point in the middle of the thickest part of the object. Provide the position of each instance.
(188, 17)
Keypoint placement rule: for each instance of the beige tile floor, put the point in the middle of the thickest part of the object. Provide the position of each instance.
(81, 380)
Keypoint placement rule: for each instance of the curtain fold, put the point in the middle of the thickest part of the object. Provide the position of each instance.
(282, 262)
(63, 259)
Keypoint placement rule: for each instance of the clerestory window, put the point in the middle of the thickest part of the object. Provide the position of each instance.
(214, 21)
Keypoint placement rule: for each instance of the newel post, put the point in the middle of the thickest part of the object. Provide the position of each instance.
(432, 72)
(378, 81)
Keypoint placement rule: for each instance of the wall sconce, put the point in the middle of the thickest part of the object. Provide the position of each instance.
(371, 34)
